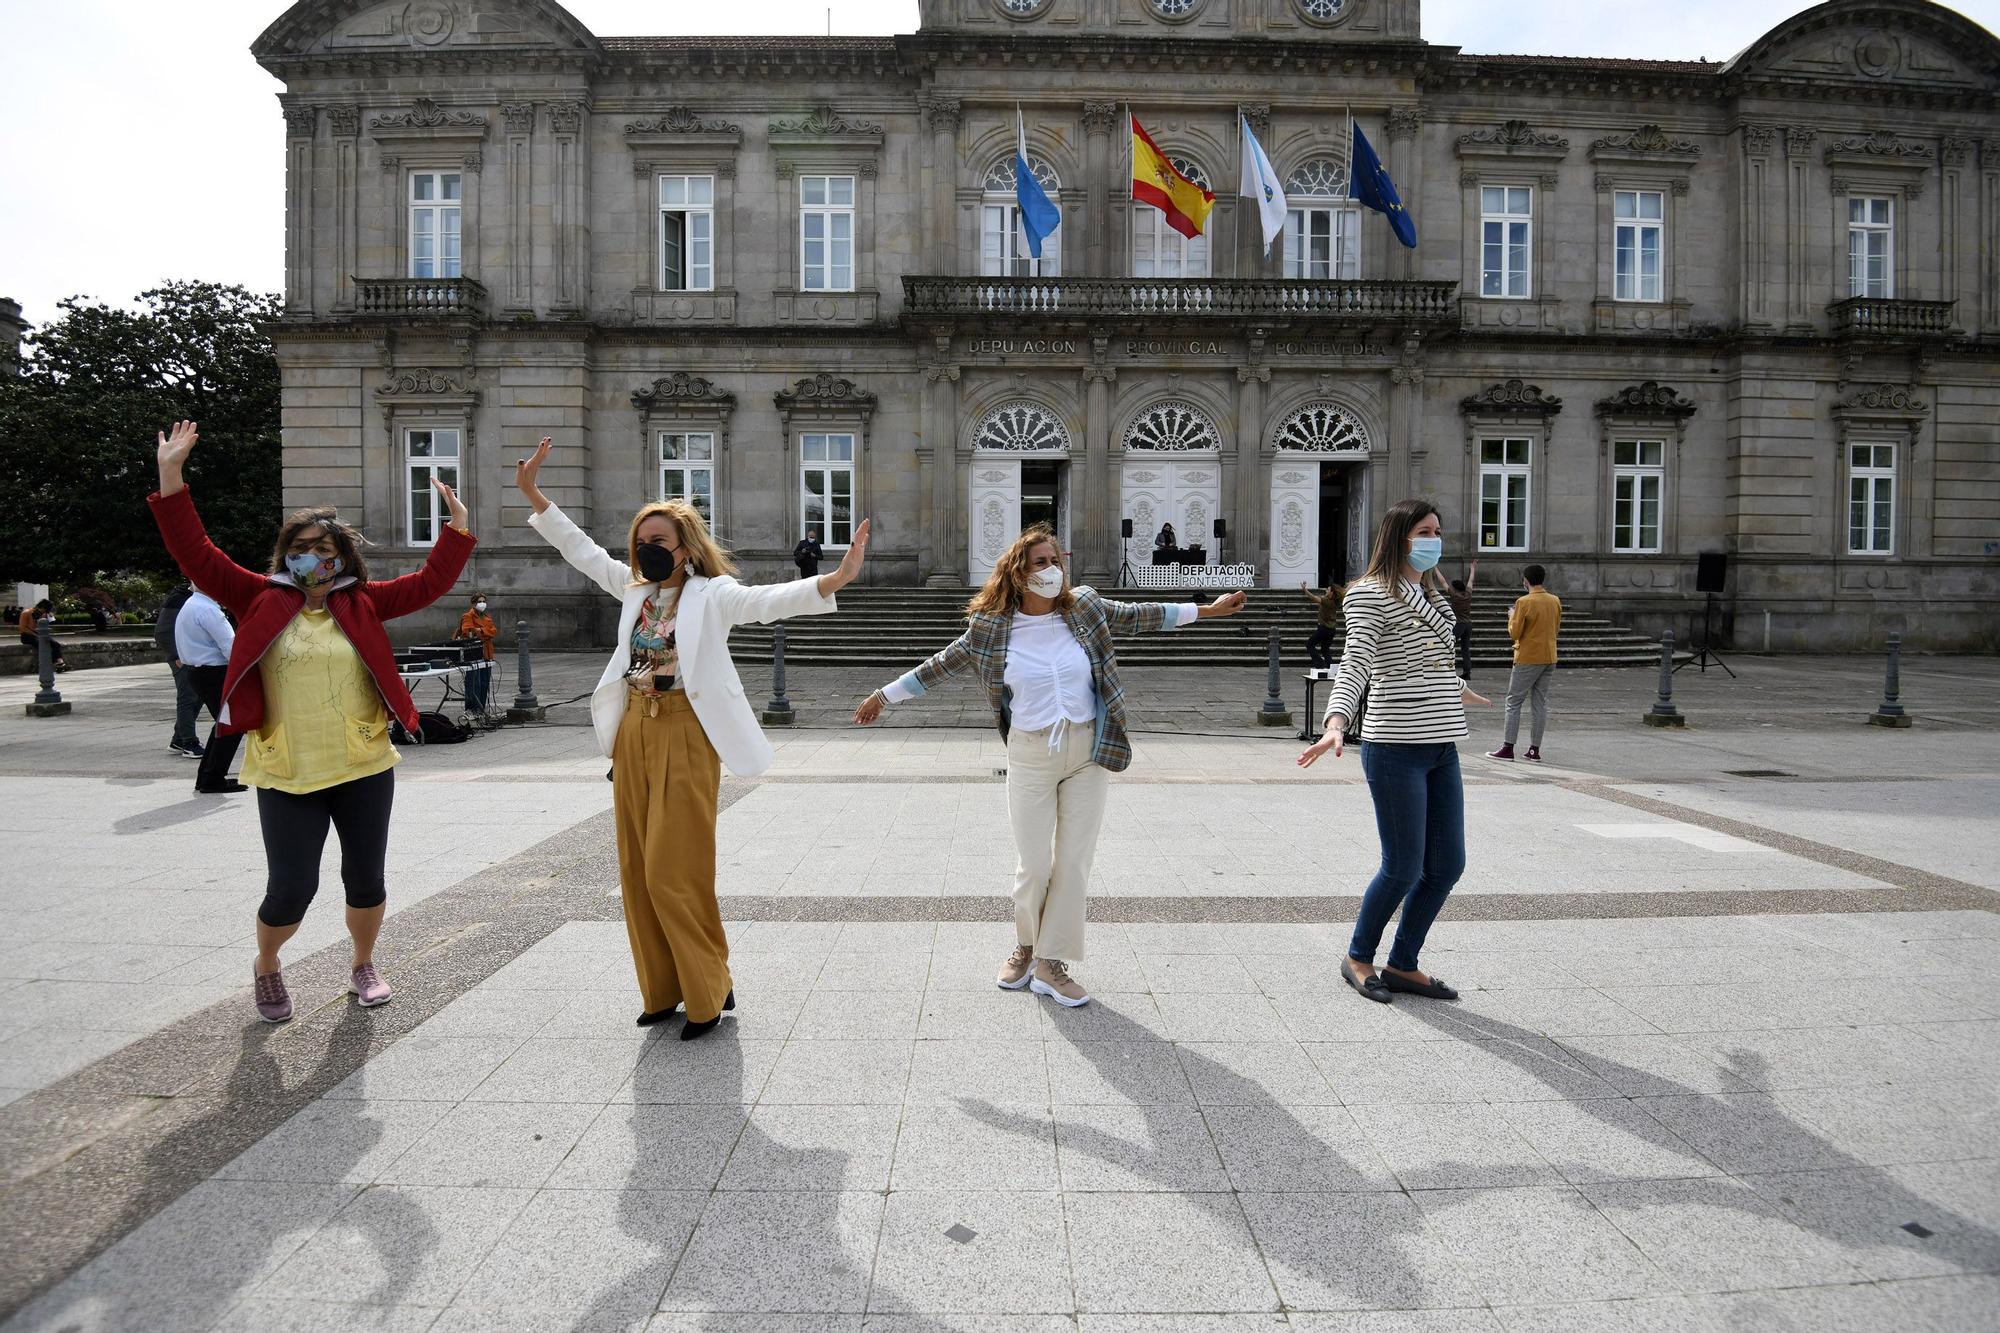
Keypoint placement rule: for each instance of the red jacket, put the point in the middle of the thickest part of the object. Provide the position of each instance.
(264, 604)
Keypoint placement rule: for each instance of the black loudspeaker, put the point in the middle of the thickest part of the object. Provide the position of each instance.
(1710, 567)
(1125, 527)
(1221, 529)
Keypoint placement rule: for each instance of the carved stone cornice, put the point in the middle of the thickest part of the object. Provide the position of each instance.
(519, 117)
(1647, 143)
(1511, 397)
(682, 390)
(1881, 146)
(947, 373)
(420, 382)
(344, 121)
(1799, 138)
(825, 391)
(1647, 399)
(1100, 117)
(428, 115)
(1512, 138)
(301, 122)
(1953, 151)
(567, 117)
(823, 122)
(1405, 121)
(1897, 401)
(943, 113)
(681, 120)
(1259, 116)
(1758, 140)
(1246, 374)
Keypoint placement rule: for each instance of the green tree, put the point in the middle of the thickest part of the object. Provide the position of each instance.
(77, 428)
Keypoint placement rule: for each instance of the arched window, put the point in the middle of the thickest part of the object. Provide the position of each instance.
(1003, 247)
(1322, 428)
(1158, 251)
(1322, 226)
(1173, 426)
(1021, 428)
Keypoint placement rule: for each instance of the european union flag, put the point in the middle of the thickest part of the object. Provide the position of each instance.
(1039, 215)
(1371, 187)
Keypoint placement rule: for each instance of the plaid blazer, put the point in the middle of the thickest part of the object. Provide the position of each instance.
(1093, 620)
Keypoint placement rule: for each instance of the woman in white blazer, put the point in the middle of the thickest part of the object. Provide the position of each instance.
(669, 711)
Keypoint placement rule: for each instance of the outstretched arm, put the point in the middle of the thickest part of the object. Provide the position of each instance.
(187, 541)
(418, 589)
(948, 661)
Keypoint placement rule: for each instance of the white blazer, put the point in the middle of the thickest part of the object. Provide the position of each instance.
(708, 608)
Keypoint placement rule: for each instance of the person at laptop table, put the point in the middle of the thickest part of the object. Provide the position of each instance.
(476, 624)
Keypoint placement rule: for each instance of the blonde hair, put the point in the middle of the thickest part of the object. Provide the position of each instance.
(1009, 579)
(705, 555)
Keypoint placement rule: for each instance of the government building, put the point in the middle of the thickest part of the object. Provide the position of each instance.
(1657, 308)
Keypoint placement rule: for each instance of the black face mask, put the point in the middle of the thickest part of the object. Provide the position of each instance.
(656, 563)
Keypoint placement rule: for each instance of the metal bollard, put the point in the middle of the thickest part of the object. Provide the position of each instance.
(1663, 713)
(526, 708)
(1889, 713)
(1274, 713)
(778, 713)
(48, 701)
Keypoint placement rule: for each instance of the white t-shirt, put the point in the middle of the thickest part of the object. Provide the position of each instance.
(1047, 673)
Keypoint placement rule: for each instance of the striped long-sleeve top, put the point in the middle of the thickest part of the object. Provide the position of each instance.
(1400, 648)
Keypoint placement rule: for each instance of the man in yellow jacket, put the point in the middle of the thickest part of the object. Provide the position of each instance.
(1532, 625)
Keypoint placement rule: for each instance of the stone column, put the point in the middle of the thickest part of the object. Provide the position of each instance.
(518, 230)
(1799, 203)
(1245, 488)
(1098, 120)
(941, 557)
(569, 153)
(1755, 226)
(1099, 495)
(944, 115)
(1406, 168)
(1406, 421)
(301, 124)
(345, 121)
(1956, 281)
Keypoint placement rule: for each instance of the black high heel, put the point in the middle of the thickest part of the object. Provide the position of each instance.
(657, 1016)
(691, 1030)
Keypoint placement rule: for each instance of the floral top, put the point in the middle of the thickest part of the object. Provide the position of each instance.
(654, 650)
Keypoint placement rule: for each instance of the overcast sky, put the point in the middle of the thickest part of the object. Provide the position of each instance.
(144, 143)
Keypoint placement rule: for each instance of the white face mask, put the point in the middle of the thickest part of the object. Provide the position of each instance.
(480, 607)
(1048, 582)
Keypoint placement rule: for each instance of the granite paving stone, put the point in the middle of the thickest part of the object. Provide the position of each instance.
(651, 1146)
(1164, 1253)
(1148, 1147)
(492, 1143)
(806, 1148)
(975, 1145)
(1538, 1246)
(398, 1245)
(575, 1250)
(1720, 1234)
(1367, 1251)
(1016, 1260)
(779, 1251)
(1270, 1148)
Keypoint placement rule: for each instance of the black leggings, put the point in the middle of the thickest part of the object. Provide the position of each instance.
(295, 832)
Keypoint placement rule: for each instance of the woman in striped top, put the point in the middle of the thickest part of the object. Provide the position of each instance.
(1401, 648)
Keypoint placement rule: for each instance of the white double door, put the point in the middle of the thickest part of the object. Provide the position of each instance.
(1186, 492)
(1303, 535)
(994, 494)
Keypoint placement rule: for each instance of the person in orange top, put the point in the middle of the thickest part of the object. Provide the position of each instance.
(1532, 624)
(30, 631)
(476, 624)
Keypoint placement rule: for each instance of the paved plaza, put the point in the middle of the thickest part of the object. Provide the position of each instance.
(1728, 1055)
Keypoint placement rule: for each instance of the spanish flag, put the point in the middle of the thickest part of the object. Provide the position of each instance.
(1155, 182)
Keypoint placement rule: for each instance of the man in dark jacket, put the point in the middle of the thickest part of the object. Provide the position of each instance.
(806, 556)
(187, 704)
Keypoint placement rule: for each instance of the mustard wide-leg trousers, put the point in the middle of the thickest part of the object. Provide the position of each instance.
(665, 782)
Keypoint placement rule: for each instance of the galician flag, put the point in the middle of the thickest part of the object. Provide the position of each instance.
(1371, 187)
(1260, 182)
(1155, 182)
(1039, 216)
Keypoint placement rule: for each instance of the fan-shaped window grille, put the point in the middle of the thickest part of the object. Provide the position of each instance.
(1000, 177)
(1322, 428)
(1317, 178)
(1172, 427)
(1326, 11)
(1021, 428)
(1025, 8)
(1174, 9)
(1192, 170)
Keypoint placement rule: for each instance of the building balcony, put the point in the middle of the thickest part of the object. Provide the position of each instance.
(1342, 302)
(420, 298)
(1877, 317)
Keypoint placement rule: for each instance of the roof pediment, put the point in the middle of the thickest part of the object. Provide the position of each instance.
(1907, 42)
(357, 27)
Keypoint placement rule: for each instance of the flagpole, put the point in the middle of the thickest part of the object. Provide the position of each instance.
(1236, 247)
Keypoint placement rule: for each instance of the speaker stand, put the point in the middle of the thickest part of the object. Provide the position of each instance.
(1125, 577)
(1705, 655)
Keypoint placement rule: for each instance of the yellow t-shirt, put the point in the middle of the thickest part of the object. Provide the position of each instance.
(324, 722)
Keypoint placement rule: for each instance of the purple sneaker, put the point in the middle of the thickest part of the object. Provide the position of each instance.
(274, 1002)
(369, 986)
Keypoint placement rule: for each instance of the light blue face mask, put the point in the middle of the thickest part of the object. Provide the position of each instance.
(1425, 552)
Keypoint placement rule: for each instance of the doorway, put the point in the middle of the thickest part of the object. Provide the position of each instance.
(1319, 517)
(1045, 494)
(1332, 526)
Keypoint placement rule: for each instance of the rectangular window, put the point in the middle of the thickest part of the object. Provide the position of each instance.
(1322, 243)
(1503, 495)
(427, 453)
(1003, 247)
(1158, 251)
(826, 486)
(826, 233)
(434, 226)
(687, 233)
(1638, 480)
(687, 470)
(1506, 227)
(1871, 247)
(1638, 222)
(1871, 499)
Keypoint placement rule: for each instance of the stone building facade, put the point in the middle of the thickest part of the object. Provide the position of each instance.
(1657, 309)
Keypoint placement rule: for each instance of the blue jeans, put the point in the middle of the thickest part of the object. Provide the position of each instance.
(1420, 818)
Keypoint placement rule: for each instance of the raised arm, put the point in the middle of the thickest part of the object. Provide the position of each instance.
(419, 588)
(572, 543)
(186, 539)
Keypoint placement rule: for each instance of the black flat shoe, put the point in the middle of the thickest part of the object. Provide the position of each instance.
(1371, 989)
(690, 1031)
(657, 1016)
(1433, 989)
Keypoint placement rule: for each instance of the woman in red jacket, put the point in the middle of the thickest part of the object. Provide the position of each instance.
(313, 682)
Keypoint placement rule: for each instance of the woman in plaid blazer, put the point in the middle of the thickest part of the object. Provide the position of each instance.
(1043, 651)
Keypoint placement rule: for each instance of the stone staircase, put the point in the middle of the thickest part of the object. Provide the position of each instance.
(899, 627)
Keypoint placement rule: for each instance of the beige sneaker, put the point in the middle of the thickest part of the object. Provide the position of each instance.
(1052, 979)
(1014, 972)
